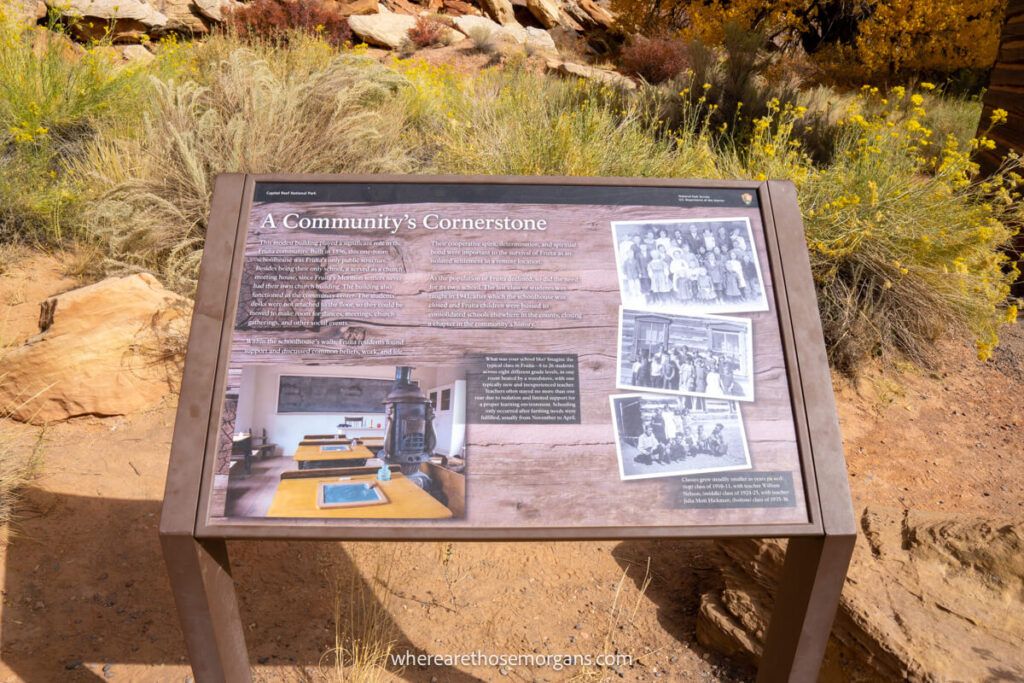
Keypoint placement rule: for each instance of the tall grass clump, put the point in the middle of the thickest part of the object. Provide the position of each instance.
(54, 98)
(238, 110)
(730, 85)
(512, 121)
(906, 238)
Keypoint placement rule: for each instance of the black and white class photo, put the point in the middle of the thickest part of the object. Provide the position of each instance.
(663, 436)
(694, 355)
(689, 266)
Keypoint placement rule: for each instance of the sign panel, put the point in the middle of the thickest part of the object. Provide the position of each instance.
(506, 356)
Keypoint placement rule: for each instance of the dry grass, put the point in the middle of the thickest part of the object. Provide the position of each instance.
(19, 462)
(239, 112)
(364, 633)
(516, 122)
(621, 615)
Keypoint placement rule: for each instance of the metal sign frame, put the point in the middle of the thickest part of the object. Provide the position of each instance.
(195, 551)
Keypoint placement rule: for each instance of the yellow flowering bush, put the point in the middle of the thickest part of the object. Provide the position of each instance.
(51, 103)
(862, 39)
(905, 237)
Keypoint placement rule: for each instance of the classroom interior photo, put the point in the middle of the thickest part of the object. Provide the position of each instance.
(358, 442)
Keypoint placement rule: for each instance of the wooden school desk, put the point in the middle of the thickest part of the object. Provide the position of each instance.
(297, 498)
(308, 456)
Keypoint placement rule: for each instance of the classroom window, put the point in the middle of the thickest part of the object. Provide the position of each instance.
(651, 334)
(433, 398)
(730, 344)
(446, 399)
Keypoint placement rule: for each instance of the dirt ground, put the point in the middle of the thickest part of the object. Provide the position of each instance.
(85, 596)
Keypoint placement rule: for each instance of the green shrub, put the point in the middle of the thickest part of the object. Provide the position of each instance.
(236, 114)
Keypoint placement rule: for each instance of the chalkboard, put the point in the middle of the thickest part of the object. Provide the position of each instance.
(332, 394)
(349, 495)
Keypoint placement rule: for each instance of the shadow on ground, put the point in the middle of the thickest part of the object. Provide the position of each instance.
(85, 587)
(679, 572)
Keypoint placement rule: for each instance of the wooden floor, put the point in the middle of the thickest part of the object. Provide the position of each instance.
(249, 495)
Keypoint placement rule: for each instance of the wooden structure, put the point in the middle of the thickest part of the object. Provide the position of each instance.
(516, 490)
(1006, 91)
(327, 455)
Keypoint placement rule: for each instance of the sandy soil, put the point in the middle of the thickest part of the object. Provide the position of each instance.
(85, 597)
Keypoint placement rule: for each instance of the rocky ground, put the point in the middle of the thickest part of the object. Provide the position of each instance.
(570, 38)
(85, 596)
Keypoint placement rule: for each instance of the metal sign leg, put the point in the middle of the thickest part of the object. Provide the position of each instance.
(208, 608)
(805, 605)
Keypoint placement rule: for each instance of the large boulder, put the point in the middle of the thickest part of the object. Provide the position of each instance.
(384, 30)
(929, 597)
(500, 10)
(119, 20)
(534, 38)
(574, 70)
(111, 348)
(588, 14)
(217, 10)
(183, 16)
(547, 12)
(26, 11)
(390, 29)
(348, 8)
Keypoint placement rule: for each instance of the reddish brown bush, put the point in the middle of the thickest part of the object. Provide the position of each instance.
(274, 20)
(428, 32)
(655, 60)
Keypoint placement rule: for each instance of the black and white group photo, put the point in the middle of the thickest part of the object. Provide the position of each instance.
(689, 266)
(661, 436)
(694, 355)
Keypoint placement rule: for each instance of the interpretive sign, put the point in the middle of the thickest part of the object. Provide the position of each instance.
(507, 358)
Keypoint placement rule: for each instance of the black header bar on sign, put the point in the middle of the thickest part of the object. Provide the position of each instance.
(458, 193)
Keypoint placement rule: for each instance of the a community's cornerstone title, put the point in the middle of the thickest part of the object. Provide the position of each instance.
(494, 355)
